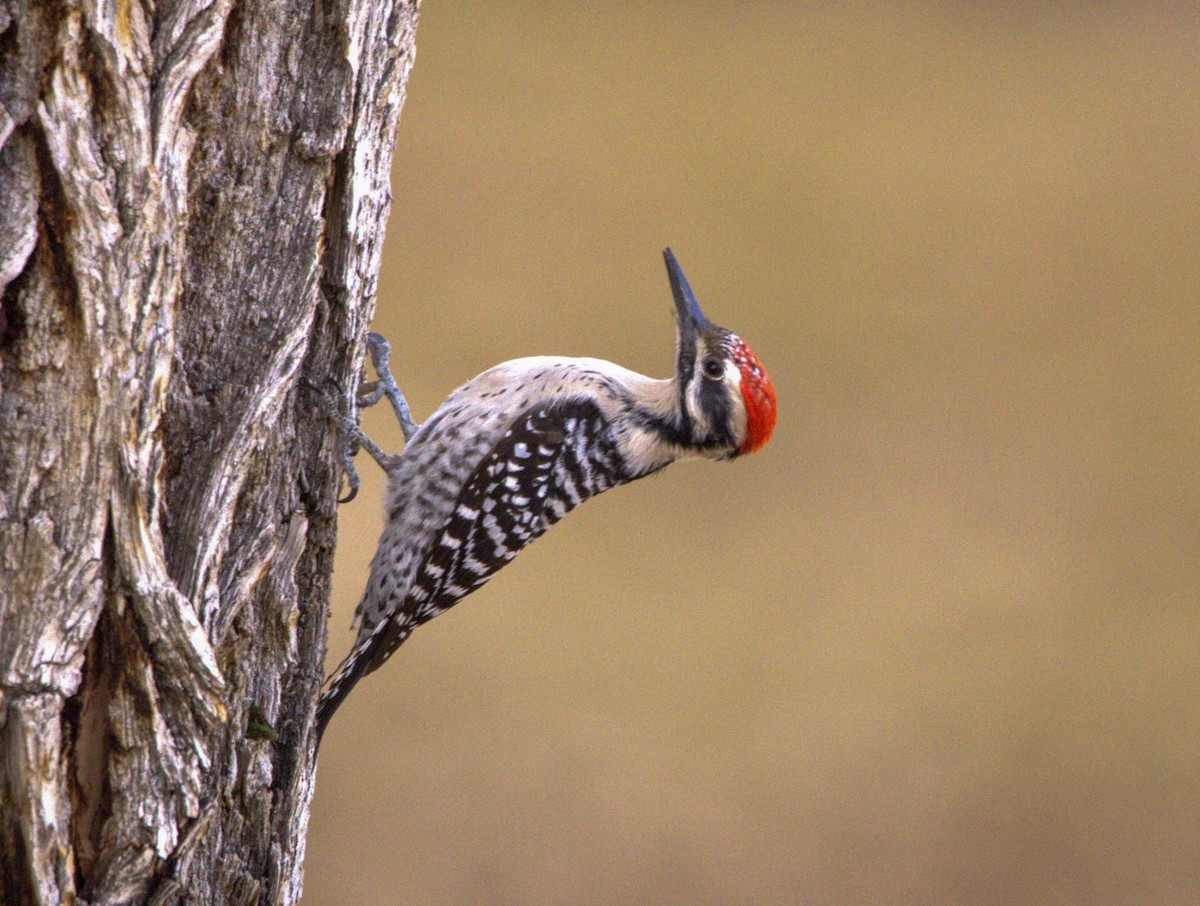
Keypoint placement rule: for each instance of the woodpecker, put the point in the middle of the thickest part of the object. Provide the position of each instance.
(513, 450)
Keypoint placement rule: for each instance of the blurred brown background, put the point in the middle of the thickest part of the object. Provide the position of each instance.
(940, 641)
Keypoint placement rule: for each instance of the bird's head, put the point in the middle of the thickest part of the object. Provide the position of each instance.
(726, 399)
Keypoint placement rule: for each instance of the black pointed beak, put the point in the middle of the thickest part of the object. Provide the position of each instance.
(690, 318)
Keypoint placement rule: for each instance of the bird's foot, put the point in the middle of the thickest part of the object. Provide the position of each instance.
(371, 392)
(353, 437)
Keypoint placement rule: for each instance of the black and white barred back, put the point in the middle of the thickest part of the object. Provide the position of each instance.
(549, 461)
(538, 468)
(516, 448)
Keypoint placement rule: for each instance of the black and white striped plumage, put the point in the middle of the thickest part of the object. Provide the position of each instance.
(516, 448)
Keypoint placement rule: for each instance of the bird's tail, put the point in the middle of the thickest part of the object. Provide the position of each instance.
(368, 653)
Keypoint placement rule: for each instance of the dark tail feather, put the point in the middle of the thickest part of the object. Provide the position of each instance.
(339, 687)
(365, 657)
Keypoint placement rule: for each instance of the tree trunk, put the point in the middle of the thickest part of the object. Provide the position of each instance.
(192, 202)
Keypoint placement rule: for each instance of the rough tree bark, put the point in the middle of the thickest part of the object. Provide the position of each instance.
(192, 202)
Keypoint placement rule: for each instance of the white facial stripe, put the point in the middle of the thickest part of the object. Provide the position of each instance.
(732, 379)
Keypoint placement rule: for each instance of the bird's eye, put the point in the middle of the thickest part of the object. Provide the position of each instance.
(714, 368)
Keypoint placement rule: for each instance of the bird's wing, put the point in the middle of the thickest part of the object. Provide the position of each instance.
(547, 462)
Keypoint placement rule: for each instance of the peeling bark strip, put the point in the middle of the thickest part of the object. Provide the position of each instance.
(192, 203)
